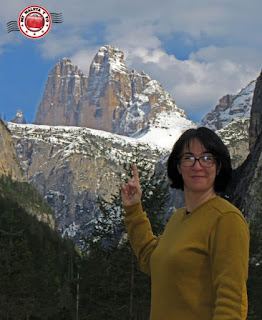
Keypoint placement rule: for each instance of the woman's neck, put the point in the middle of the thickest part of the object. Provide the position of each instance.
(194, 200)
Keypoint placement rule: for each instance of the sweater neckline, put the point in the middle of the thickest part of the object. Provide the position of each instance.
(189, 213)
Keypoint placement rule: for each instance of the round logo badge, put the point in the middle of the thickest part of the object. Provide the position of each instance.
(34, 22)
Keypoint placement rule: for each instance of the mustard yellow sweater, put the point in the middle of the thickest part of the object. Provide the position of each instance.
(199, 266)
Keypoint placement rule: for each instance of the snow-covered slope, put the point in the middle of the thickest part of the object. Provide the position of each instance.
(165, 129)
(156, 113)
(163, 133)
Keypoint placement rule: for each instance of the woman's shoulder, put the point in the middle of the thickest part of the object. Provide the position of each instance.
(224, 207)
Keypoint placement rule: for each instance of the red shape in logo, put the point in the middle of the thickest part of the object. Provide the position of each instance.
(34, 22)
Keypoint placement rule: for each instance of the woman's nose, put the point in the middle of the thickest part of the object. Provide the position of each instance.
(197, 164)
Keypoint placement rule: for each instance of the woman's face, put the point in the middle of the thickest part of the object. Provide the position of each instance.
(198, 179)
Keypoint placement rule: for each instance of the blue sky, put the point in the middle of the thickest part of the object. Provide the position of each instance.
(198, 50)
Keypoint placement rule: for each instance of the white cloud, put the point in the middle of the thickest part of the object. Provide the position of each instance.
(237, 54)
(55, 45)
(199, 82)
(83, 59)
(216, 18)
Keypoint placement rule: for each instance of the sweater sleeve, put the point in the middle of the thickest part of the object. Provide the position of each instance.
(140, 233)
(229, 254)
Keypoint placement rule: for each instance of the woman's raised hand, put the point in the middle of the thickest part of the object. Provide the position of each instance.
(131, 192)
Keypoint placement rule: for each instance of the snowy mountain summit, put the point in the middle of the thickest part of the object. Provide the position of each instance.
(111, 99)
(230, 108)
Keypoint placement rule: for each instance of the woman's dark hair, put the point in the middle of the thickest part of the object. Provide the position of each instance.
(213, 144)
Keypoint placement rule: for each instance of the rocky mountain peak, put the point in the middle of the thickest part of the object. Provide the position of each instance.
(111, 99)
(65, 87)
(19, 117)
(110, 59)
(107, 67)
(65, 67)
(230, 107)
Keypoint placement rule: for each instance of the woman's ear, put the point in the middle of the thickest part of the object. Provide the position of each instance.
(178, 168)
(218, 168)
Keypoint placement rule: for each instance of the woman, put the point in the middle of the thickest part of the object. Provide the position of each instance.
(199, 266)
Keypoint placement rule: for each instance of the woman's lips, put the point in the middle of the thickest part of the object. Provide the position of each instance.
(197, 177)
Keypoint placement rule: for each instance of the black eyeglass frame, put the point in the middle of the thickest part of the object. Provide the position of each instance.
(199, 160)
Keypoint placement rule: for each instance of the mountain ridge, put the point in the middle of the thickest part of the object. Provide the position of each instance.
(111, 98)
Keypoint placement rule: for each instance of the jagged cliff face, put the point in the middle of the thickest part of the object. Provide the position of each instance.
(230, 107)
(239, 120)
(9, 164)
(245, 188)
(256, 113)
(72, 166)
(108, 91)
(111, 99)
(63, 94)
(236, 138)
(147, 108)
(230, 119)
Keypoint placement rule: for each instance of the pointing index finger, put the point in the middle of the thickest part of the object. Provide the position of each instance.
(135, 173)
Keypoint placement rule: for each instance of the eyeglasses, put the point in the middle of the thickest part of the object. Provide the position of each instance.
(206, 161)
